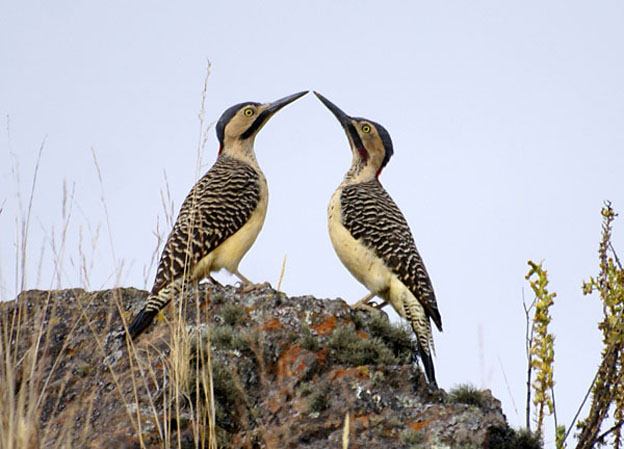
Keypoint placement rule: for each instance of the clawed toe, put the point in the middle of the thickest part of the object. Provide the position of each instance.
(365, 306)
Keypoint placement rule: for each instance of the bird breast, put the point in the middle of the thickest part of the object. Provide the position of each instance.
(229, 254)
(356, 256)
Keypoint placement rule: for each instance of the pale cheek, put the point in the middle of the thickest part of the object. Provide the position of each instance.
(235, 129)
(368, 140)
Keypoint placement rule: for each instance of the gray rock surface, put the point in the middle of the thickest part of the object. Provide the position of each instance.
(286, 373)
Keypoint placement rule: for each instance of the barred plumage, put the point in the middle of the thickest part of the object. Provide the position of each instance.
(219, 205)
(372, 238)
(370, 214)
(221, 216)
(216, 207)
(375, 223)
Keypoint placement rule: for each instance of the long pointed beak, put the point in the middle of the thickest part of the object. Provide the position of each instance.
(343, 118)
(279, 104)
(345, 121)
(267, 113)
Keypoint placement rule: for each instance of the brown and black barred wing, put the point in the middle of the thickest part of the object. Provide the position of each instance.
(370, 214)
(217, 206)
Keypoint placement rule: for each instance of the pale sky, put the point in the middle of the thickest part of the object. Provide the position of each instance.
(507, 122)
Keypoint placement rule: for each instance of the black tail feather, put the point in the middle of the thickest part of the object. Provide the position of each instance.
(141, 321)
(427, 361)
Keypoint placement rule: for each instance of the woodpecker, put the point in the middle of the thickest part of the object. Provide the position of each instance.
(223, 213)
(372, 238)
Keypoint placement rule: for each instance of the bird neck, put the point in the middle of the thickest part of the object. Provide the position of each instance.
(360, 171)
(242, 150)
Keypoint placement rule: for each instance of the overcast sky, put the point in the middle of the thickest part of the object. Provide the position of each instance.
(507, 122)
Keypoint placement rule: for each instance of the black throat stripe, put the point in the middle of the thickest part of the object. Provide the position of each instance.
(263, 117)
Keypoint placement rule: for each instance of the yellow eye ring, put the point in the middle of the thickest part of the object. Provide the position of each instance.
(248, 112)
(366, 129)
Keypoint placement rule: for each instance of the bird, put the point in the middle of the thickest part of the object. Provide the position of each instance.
(372, 237)
(221, 216)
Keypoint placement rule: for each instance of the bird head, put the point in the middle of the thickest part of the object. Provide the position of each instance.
(240, 123)
(370, 142)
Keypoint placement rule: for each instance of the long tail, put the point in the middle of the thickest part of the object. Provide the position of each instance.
(141, 321)
(422, 329)
(427, 360)
(154, 304)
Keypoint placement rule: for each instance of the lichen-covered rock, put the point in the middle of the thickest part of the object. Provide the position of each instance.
(286, 372)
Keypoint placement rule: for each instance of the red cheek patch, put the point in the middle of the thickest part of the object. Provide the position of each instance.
(363, 153)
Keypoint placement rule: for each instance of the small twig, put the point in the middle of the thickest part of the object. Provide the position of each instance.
(279, 283)
(578, 411)
(201, 141)
(528, 339)
(601, 438)
(28, 212)
(587, 393)
(615, 256)
(513, 403)
(552, 394)
(103, 199)
(168, 203)
(345, 432)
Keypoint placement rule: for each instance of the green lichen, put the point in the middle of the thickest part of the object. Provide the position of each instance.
(396, 337)
(228, 396)
(412, 438)
(320, 400)
(466, 394)
(350, 349)
(227, 338)
(507, 438)
(307, 340)
(233, 314)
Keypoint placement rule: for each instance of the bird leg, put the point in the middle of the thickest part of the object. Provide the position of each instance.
(245, 282)
(363, 304)
(213, 281)
(381, 305)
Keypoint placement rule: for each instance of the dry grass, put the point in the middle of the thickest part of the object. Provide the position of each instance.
(281, 276)
(28, 371)
(345, 433)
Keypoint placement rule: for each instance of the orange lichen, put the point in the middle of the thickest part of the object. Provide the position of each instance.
(322, 354)
(363, 420)
(272, 325)
(326, 327)
(288, 363)
(359, 372)
(417, 426)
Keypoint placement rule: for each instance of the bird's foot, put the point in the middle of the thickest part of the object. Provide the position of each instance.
(365, 307)
(366, 303)
(246, 287)
(380, 306)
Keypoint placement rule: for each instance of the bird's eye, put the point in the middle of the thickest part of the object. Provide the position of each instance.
(248, 112)
(366, 129)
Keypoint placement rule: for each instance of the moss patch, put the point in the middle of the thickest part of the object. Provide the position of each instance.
(351, 349)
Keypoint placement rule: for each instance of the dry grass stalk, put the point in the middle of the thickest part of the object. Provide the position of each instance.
(20, 424)
(282, 271)
(345, 432)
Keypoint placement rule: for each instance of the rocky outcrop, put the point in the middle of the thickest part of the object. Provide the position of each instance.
(287, 372)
